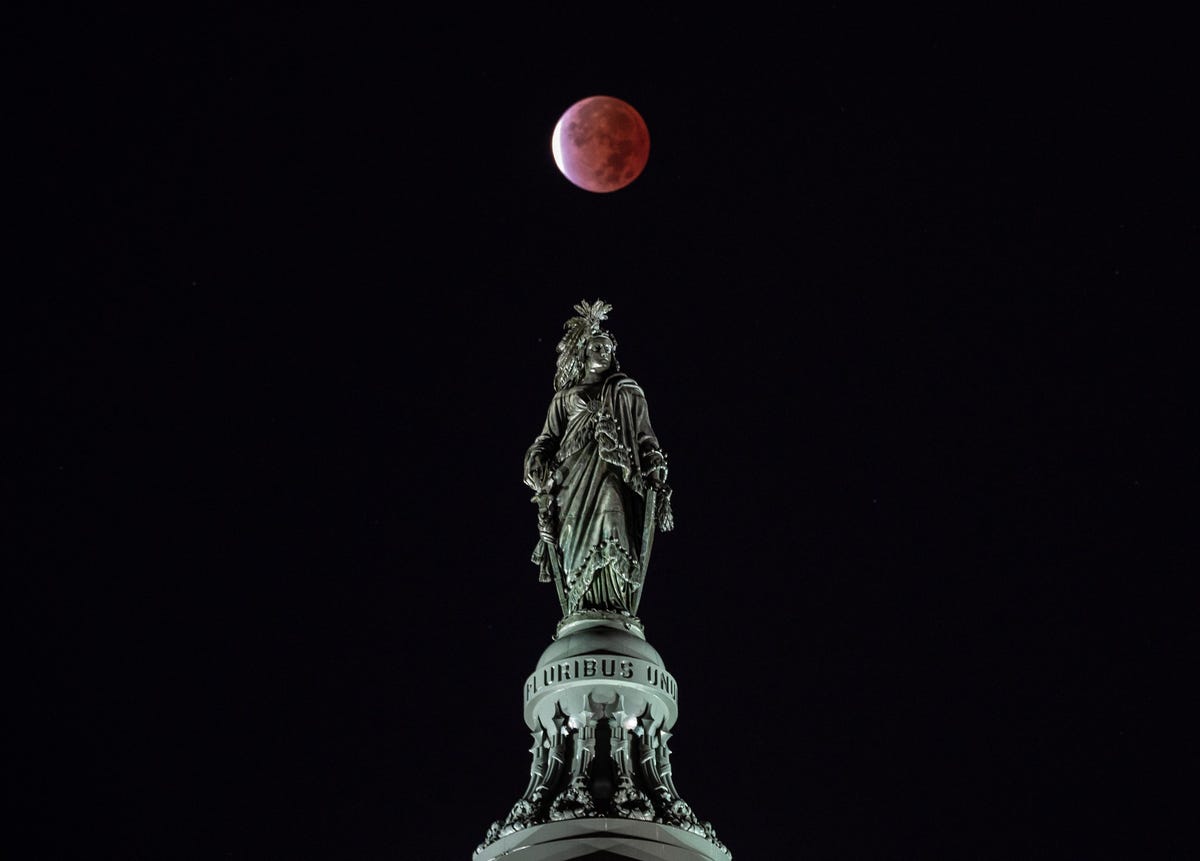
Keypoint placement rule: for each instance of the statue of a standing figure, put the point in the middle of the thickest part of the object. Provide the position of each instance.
(598, 474)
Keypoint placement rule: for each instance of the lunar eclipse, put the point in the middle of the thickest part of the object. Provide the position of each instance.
(600, 143)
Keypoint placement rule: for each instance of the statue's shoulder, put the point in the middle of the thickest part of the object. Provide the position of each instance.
(623, 384)
(563, 394)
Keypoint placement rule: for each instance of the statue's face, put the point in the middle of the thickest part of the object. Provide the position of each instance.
(599, 354)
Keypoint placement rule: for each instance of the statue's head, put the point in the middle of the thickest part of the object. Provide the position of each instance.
(599, 353)
(585, 347)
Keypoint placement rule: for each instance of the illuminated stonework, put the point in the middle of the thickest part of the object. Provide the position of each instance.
(600, 707)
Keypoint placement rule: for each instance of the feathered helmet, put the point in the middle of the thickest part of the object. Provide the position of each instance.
(573, 346)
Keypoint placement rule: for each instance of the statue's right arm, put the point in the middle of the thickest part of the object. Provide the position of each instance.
(541, 453)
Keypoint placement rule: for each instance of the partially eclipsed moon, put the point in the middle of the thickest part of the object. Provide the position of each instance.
(600, 143)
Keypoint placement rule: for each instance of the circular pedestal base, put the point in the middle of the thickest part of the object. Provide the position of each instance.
(585, 619)
(598, 663)
(601, 839)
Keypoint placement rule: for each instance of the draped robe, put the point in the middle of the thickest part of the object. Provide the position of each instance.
(598, 444)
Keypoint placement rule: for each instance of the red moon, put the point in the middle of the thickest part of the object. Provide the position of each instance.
(600, 143)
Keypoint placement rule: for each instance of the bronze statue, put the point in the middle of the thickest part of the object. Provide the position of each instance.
(600, 705)
(599, 476)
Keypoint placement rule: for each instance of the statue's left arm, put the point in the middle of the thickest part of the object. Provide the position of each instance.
(635, 446)
(652, 460)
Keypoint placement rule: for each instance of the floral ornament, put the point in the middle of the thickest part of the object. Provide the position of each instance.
(626, 720)
(582, 719)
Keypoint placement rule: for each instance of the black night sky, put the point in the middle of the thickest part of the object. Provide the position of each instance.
(906, 306)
